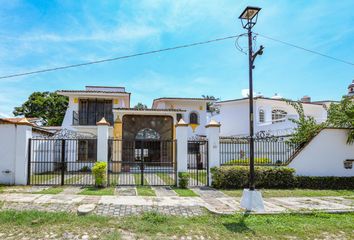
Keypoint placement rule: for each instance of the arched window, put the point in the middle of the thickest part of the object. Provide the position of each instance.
(193, 118)
(261, 116)
(147, 133)
(278, 115)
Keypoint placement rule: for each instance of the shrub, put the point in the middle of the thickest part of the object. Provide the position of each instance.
(246, 161)
(99, 172)
(265, 177)
(183, 179)
(85, 169)
(325, 182)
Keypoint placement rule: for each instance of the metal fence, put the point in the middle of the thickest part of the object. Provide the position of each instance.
(269, 151)
(142, 162)
(61, 161)
(198, 162)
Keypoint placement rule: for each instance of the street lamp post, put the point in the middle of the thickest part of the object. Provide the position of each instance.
(251, 199)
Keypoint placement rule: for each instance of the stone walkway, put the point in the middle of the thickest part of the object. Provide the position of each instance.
(125, 202)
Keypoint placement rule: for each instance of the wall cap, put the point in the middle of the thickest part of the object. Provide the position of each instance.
(181, 123)
(213, 123)
(24, 121)
(102, 122)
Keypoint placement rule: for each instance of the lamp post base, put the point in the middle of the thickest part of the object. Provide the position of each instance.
(252, 200)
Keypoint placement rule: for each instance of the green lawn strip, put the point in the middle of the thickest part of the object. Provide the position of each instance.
(185, 192)
(293, 192)
(97, 191)
(42, 178)
(200, 176)
(73, 179)
(145, 190)
(51, 190)
(166, 178)
(35, 225)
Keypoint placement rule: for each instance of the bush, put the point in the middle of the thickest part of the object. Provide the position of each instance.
(265, 177)
(246, 161)
(99, 171)
(85, 169)
(183, 179)
(325, 182)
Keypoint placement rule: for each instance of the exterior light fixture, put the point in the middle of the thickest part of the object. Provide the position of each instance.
(251, 199)
(249, 16)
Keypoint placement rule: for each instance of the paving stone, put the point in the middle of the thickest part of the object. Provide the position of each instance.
(126, 191)
(164, 191)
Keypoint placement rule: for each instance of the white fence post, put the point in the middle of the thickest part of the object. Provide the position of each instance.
(102, 141)
(213, 135)
(182, 146)
(23, 134)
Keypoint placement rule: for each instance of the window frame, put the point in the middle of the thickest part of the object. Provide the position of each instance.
(196, 118)
(276, 112)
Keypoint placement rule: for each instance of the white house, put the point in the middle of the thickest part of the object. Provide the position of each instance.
(87, 107)
(270, 115)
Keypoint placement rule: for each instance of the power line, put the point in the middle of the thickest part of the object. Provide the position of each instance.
(305, 49)
(118, 58)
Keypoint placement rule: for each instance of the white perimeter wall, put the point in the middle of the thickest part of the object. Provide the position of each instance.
(324, 155)
(7, 153)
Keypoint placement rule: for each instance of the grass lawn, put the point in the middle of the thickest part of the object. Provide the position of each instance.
(166, 178)
(35, 225)
(51, 190)
(73, 179)
(294, 193)
(185, 192)
(42, 178)
(200, 176)
(145, 191)
(97, 191)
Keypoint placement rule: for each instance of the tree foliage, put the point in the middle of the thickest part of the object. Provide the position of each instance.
(342, 115)
(210, 105)
(49, 106)
(306, 126)
(140, 105)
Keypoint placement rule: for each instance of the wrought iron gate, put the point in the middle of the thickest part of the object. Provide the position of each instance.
(54, 161)
(198, 162)
(141, 162)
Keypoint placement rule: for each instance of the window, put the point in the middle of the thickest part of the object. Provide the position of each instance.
(87, 150)
(147, 133)
(179, 117)
(193, 118)
(278, 115)
(92, 110)
(261, 116)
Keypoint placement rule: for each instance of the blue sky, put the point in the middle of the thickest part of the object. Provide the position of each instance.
(44, 34)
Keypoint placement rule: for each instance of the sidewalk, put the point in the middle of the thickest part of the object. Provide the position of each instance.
(212, 200)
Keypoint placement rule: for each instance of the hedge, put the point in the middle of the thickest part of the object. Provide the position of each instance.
(325, 182)
(274, 177)
(265, 177)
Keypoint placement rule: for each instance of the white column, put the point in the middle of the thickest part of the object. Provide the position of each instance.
(213, 134)
(182, 145)
(102, 140)
(23, 134)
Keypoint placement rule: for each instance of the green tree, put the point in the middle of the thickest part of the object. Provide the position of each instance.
(306, 126)
(342, 115)
(210, 105)
(48, 106)
(140, 105)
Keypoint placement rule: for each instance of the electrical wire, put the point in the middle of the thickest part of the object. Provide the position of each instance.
(118, 58)
(305, 49)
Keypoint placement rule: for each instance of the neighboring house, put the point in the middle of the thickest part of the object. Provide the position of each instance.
(270, 115)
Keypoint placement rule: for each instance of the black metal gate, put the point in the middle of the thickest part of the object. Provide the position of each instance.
(198, 163)
(61, 161)
(142, 162)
